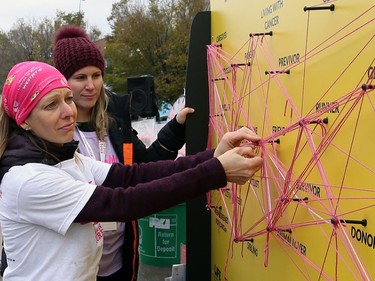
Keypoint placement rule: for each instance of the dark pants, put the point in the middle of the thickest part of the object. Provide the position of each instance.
(117, 276)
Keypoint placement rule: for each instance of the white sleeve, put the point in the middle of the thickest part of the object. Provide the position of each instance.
(99, 170)
(46, 196)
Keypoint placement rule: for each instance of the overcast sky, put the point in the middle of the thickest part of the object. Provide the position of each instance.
(96, 11)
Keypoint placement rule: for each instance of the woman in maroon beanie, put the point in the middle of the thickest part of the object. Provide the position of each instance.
(104, 132)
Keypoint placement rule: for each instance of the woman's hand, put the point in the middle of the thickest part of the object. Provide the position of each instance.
(234, 139)
(181, 116)
(240, 164)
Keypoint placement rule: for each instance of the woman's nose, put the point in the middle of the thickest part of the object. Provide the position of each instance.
(90, 84)
(68, 109)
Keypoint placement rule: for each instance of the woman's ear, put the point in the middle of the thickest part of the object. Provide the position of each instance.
(25, 126)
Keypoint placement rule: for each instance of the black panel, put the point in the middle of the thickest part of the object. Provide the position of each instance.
(198, 218)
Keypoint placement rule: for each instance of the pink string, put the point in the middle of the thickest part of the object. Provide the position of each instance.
(227, 109)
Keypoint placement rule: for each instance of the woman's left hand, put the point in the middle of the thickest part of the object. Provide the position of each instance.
(181, 116)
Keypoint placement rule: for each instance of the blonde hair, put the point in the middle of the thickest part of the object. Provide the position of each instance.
(4, 132)
(100, 119)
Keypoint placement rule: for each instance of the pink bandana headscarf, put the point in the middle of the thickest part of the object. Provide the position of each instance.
(26, 83)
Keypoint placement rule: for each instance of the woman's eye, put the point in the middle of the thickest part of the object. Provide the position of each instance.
(50, 106)
(69, 100)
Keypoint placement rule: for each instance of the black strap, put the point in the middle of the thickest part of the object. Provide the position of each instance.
(4, 263)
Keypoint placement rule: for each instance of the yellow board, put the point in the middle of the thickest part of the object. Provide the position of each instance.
(301, 74)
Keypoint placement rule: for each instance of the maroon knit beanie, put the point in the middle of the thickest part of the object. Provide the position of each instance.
(74, 50)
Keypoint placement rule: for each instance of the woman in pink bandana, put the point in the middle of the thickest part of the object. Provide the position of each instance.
(51, 197)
